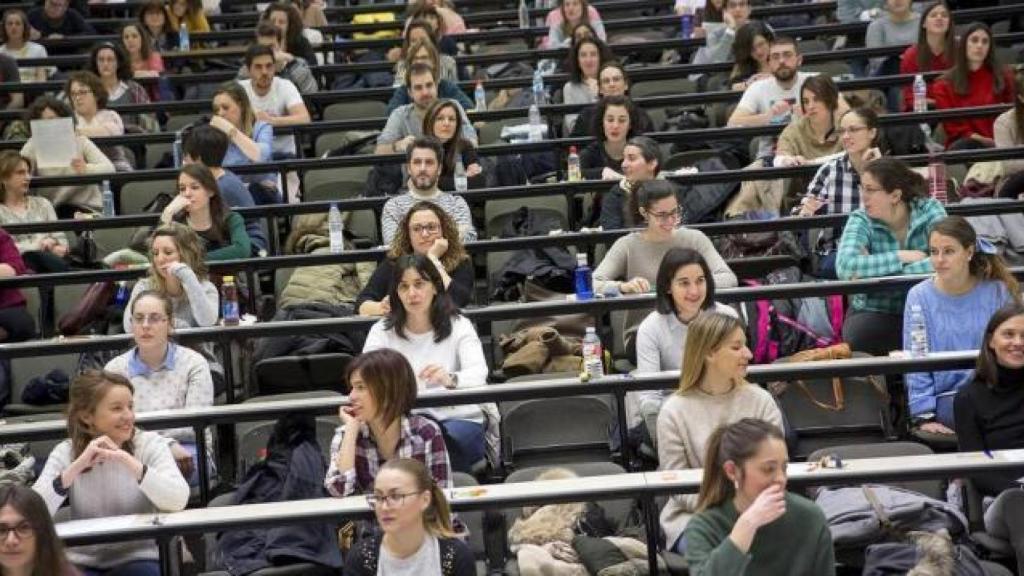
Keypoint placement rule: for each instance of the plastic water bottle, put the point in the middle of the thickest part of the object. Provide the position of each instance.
(480, 97)
(573, 162)
(539, 96)
(184, 44)
(937, 179)
(123, 293)
(536, 125)
(920, 94)
(686, 23)
(524, 15)
(461, 181)
(176, 150)
(108, 201)
(229, 301)
(584, 278)
(593, 354)
(336, 229)
(918, 333)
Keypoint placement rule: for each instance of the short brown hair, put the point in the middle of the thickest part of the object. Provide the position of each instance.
(9, 160)
(92, 82)
(390, 380)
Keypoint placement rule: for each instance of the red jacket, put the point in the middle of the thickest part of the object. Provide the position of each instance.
(11, 297)
(980, 92)
(908, 65)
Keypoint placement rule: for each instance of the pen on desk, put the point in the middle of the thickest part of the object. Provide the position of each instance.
(988, 453)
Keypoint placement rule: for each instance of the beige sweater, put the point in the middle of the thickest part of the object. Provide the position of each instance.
(1006, 136)
(80, 196)
(684, 425)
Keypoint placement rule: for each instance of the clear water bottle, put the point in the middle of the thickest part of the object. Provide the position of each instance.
(336, 229)
(937, 179)
(536, 124)
(184, 43)
(686, 23)
(461, 181)
(539, 95)
(480, 97)
(593, 354)
(584, 278)
(108, 201)
(918, 333)
(573, 171)
(176, 150)
(229, 301)
(524, 15)
(920, 94)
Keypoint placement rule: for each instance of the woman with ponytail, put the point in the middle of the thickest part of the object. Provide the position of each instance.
(417, 537)
(970, 283)
(744, 512)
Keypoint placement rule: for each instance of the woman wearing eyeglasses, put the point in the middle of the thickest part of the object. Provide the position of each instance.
(28, 541)
(835, 188)
(165, 375)
(428, 230)
(415, 521)
(631, 264)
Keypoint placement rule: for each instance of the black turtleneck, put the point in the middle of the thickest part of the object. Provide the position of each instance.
(992, 418)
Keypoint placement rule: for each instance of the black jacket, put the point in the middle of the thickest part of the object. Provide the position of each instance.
(293, 470)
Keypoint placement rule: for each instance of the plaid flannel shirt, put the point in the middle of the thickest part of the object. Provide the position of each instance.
(868, 249)
(420, 439)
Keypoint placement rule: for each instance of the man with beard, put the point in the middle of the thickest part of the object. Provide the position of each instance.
(288, 66)
(405, 123)
(423, 163)
(773, 100)
(275, 100)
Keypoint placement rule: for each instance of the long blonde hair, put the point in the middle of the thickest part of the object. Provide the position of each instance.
(190, 251)
(706, 333)
(437, 518)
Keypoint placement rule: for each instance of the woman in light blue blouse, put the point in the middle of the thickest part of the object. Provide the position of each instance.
(250, 140)
(970, 283)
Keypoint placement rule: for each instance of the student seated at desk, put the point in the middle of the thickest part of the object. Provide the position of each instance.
(377, 426)
(166, 376)
(418, 538)
(35, 548)
(746, 522)
(990, 416)
(107, 467)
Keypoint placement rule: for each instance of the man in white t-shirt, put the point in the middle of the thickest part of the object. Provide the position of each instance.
(773, 100)
(275, 100)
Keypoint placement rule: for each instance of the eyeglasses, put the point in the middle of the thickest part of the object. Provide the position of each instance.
(852, 130)
(23, 530)
(82, 92)
(422, 229)
(390, 500)
(666, 216)
(151, 319)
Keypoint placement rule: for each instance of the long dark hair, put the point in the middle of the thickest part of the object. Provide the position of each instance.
(673, 260)
(987, 369)
(573, 62)
(218, 210)
(924, 52)
(981, 265)
(146, 48)
(454, 147)
(124, 64)
(870, 119)
(441, 308)
(50, 559)
(743, 47)
(293, 37)
(957, 75)
(734, 443)
(602, 106)
(893, 174)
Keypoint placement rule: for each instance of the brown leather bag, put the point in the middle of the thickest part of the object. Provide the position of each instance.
(91, 307)
(839, 351)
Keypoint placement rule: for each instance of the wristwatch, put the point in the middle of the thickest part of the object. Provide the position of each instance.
(923, 418)
(454, 377)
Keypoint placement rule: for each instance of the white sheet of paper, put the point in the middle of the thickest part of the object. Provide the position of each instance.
(55, 142)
